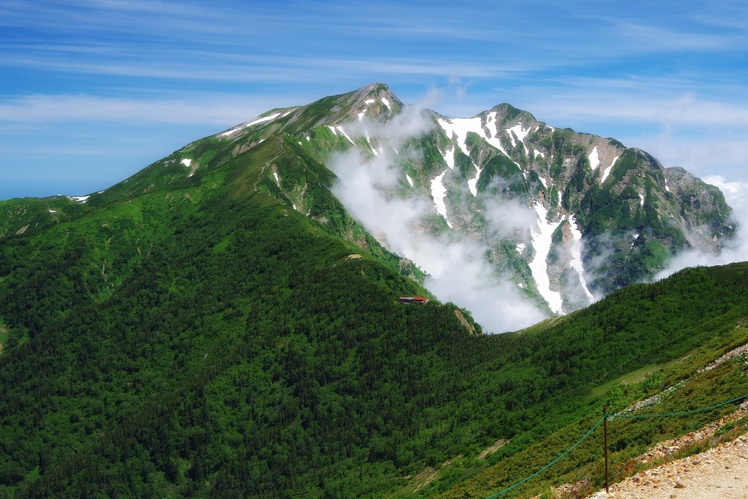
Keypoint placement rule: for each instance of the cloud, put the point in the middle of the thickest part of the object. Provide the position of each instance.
(457, 268)
(735, 250)
(219, 110)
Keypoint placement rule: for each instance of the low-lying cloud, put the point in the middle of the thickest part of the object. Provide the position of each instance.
(457, 268)
(733, 250)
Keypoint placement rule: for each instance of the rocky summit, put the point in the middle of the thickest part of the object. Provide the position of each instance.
(566, 217)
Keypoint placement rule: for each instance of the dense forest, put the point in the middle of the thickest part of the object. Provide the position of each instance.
(201, 335)
(245, 351)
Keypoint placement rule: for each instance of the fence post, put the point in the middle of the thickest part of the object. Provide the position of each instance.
(605, 443)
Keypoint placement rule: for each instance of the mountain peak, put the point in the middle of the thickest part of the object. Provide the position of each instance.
(506, 113)
(376, 100)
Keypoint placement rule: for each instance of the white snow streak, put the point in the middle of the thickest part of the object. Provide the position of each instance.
(449, 158)
(255, 122)
(340, 129)
(494, 140)
(458, 129)
(521, 133)
(186, 162)
(277, 178)
(439, 192)
(410, 180)
(576, 257)
(473, 184)
(542, 235)
(386, 103)
(607, 170)
(594, 159)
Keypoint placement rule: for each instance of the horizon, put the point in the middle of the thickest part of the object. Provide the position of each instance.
(95, 91)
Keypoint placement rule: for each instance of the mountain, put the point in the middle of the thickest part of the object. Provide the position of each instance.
(219, 324)
(567, 217)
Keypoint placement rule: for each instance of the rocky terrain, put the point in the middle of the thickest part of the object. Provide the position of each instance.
(719, 472)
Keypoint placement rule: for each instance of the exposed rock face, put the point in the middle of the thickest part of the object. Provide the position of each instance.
(566, 216)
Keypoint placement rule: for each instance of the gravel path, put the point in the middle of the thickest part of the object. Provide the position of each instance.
(721, 472)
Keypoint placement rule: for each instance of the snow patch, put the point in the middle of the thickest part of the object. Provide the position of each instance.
(368, 140)
(457, 130)
(186, 162)
(439, 192)
(594, 159)
(608, 169)
(449, 158)
(521, 133)
(386, 103)
(542, 235)
(521, 248)
(473, 184)
(340, 129)
(495, 140)
(255, 122)
(277, 178)
(368, 102)
(79, 199)
(410, 180)
(576, 257)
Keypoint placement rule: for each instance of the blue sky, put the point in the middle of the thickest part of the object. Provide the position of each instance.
(92, 91)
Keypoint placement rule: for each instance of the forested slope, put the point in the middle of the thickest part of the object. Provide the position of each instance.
(197, 335)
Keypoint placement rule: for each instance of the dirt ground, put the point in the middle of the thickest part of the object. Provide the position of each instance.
(721, 472)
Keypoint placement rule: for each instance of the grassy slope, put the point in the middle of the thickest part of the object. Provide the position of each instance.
(196, 336)
(684, 386)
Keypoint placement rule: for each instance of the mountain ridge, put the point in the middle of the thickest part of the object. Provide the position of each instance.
(566, 217)
(220, 324)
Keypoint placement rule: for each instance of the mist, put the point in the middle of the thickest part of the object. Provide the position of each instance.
(734, 250)
(457, 268)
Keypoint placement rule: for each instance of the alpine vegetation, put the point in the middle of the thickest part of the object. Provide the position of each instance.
(266, 311)
(509, 217)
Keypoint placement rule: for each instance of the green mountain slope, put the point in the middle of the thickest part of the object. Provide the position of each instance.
(236, 348)
(218, 325)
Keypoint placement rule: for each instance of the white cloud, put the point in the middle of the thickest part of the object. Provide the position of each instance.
(736, 250)
(458, 271)
(220, 110)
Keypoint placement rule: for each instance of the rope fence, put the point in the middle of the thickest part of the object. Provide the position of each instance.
(604, 420)
(552, 462)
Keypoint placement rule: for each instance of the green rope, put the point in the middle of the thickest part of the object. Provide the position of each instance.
(611, 416)
(551, 463)
(681, 413)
